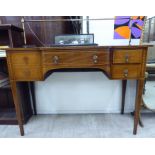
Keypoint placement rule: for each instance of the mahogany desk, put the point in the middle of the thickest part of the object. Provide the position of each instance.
(117, 62)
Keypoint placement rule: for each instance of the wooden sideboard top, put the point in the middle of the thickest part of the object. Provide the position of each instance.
(77, 47)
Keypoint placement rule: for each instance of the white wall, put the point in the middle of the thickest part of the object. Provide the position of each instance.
(85, 92)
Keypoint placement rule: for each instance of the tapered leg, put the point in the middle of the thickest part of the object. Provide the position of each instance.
(124, 83)
(140, 85)
(32, 90)
(17, 106)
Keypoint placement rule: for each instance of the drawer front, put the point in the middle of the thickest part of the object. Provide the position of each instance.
(82, 58)
(126, 71)
(25, 58)
(27, 73)
(127, 56)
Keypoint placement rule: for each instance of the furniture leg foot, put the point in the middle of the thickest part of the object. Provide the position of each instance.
(135, 131)
(21, 130)
(140, 120)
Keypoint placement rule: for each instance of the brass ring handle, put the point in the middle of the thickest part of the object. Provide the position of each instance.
(127, 58)
(126, 73)
(95, 59)
(55, 59)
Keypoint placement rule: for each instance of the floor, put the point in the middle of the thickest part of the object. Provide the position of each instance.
(82, 126)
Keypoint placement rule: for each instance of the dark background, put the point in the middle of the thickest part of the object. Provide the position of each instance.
(44, 30)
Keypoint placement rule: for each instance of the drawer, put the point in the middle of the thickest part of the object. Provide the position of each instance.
(27, 73)
(127, 56)
(25, 58)
(79, 58)
(126, 71)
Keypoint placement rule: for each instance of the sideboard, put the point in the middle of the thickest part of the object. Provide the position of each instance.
(116, 62)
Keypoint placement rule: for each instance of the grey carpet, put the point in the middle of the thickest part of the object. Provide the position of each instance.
(82, 126)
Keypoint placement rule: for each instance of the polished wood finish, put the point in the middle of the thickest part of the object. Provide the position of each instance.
(25, 67)
(33, 64)
(127, 63)
(127, 56)
(33, 58)
(126, 71)
(76, 59)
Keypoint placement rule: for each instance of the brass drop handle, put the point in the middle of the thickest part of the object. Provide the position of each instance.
(126, 73)
(126, 58)
(55, 59)
(95, 59)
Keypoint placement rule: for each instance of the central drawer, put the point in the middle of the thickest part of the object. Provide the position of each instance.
(75, 58)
